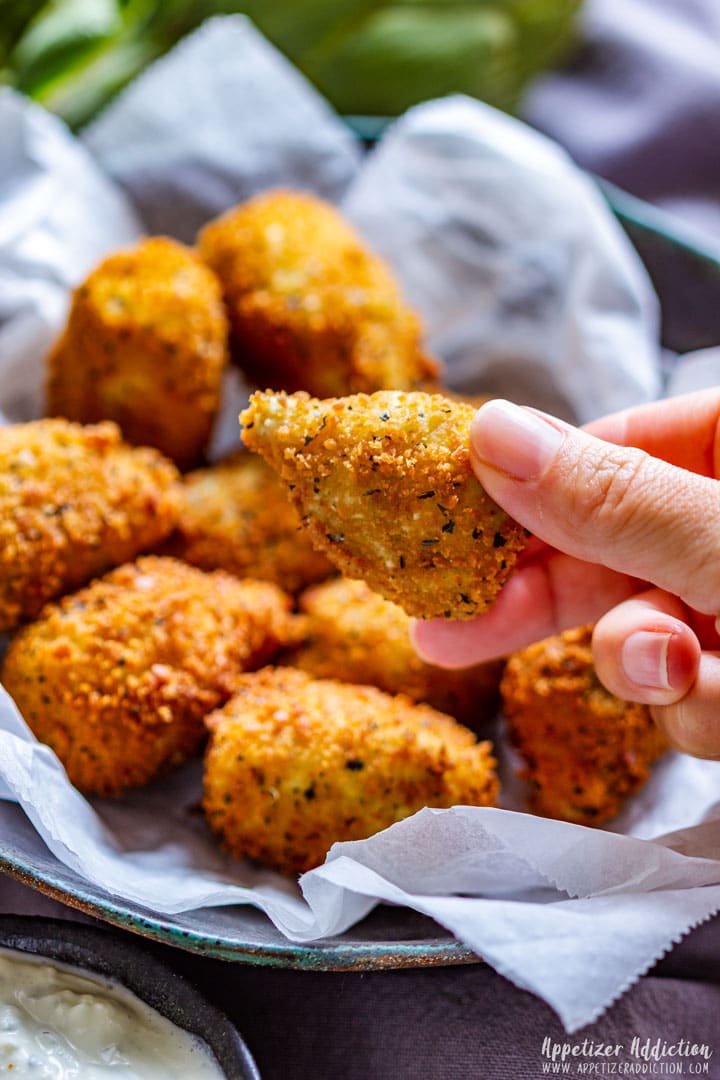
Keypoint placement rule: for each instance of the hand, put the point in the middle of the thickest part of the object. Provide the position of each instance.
(625, 517)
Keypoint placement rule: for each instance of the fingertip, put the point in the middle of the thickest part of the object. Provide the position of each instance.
(514, 440)
(660, 664)
(442, 643)
(692, 725)
(644, 652)
(683, 659)
(418, 628)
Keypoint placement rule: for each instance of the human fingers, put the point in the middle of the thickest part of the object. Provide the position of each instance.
(545, 595)
(684, 430)
(644, 650)
(602, 503)
(692, 724)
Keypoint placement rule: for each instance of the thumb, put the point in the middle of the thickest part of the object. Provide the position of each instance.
(602, 503)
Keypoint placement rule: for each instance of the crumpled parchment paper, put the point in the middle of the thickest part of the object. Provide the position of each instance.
(527, 285)
(528, 288)
(59, 215)
(222, 116)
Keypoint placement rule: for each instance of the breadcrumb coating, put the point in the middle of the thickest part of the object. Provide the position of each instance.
(437, 387)
(385, 488)
(236, 516)
(74, 501)
(352, 634)
(295, 764)
(310, 307)
(585, 750)
(118, 677)
(145, 345)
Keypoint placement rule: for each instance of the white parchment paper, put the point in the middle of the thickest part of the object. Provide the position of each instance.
(528, 286)
(571, 913)
(525, 281)
(220, 117)
(59, 215)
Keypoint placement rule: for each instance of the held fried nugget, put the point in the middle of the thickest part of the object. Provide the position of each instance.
(585, 751)
(310, 308)
(353, 634)
(236, 516)
(145, 345)
(295, 763)
(386, 490)
(74, 501)
(118, 677)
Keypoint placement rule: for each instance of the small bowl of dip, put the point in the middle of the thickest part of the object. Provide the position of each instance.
(83, 1002)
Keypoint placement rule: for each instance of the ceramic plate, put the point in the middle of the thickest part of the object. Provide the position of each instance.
(388, 938)
(687, 278)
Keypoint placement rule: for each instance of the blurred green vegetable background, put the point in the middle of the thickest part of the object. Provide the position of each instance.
(366, 56)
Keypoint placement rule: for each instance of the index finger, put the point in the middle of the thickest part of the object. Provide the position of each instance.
(683, 431)
(547, 593)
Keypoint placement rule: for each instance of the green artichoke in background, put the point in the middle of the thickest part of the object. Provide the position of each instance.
(366, 56)
(382, 58)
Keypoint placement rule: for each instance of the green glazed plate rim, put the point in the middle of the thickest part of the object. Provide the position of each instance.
(390, 937)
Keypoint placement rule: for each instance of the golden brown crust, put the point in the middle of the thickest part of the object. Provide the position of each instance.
(145, 345)
(295, 764)
(74, 501)
(386, 490)
(354, 635)
(585, 750)
(310, 307)
(437, 387)
(236, 516)
(118, 677)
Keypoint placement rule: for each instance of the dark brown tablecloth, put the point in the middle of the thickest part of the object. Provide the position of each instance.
(457, 1023)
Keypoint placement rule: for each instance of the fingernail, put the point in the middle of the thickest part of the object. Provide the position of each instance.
(514, 440)
(416, 640)
(644, 657)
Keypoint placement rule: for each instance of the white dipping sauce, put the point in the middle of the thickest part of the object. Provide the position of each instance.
(58, 1023)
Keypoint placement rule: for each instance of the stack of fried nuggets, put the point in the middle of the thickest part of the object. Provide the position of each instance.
(126, 678)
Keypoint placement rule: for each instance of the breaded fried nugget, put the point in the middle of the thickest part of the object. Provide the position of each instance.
(74, 501)
(295, 763)
(236, 516)
(118, 677)
(386, 490)
(145, 345)
(353, 634)
(585, 750)
(310, 307)
(436, 387)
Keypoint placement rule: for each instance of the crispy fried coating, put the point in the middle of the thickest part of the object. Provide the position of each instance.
(118, 677)
(295, 764)
(74, 501)
(145, 345)
(310, 307)
(437, 387)
(386, 490)
(353, 634)
(585, 750)
(236, 516)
